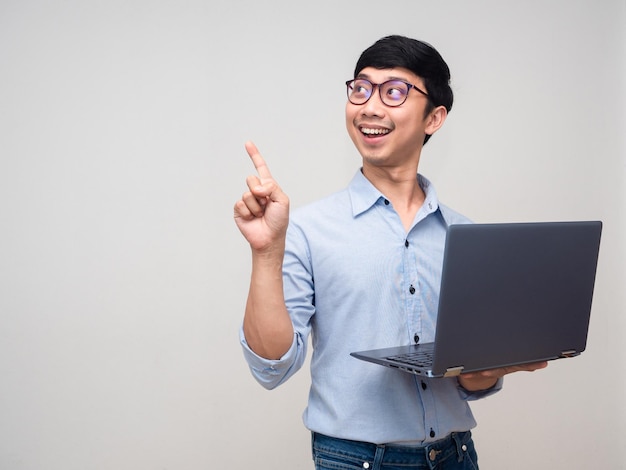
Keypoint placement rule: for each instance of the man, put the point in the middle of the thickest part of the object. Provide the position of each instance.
(360, 269)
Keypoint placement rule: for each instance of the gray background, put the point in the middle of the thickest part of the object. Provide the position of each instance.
(123, 278)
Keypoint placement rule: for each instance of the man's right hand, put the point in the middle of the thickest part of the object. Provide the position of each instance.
(262, 213)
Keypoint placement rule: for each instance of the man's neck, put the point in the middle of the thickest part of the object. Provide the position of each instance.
(402, 189)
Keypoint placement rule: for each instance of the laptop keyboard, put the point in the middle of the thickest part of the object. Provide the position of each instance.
(422, 358)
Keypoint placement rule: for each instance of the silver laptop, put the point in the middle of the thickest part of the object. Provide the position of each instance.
(511, 293)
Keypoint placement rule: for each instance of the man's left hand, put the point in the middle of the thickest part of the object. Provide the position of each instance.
(483, 380)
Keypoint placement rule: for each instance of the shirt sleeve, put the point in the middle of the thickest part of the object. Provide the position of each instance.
(472, 396)
(299, 295)
(270, 373)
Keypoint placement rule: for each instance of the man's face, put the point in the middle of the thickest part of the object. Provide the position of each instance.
(384, 135)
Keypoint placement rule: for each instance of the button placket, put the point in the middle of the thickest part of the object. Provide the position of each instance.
(411, 280)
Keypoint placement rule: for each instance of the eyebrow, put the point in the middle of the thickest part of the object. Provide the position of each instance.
(367, 77)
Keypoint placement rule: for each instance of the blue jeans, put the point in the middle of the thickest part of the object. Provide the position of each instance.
(455, 452)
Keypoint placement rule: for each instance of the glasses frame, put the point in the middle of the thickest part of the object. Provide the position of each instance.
(410, 86)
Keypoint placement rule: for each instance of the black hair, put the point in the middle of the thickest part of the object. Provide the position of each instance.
(417, 56)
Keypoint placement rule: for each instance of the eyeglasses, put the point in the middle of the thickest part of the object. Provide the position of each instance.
(392, 92)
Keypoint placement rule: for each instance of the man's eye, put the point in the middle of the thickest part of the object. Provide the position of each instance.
(395, 93)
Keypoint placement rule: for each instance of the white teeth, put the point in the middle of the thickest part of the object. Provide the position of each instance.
(368, 131)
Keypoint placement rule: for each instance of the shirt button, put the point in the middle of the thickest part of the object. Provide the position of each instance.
(416, 338)
(386, 202)
(406, 243)
(424, 386)
(432, 432)
(412, 290)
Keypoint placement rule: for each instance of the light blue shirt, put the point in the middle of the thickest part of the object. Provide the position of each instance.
(354, 279)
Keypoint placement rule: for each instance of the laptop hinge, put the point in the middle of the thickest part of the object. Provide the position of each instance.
(569, 353)
(453, 371)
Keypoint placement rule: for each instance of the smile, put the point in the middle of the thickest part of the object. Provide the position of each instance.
(372, 131)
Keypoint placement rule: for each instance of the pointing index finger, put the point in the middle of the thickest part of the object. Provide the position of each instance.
(258, 161)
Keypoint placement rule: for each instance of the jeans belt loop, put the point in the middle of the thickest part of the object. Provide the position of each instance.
(461, 448)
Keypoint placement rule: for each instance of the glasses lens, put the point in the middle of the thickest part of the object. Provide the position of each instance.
(394, 92)
(359, 91)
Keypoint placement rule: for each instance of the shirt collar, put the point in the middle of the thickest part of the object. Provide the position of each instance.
(363, 195)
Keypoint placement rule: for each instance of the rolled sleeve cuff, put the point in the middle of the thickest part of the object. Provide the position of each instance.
(270, 372)
(471, 396)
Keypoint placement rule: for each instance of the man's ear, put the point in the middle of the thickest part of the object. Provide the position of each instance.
(435, 119)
